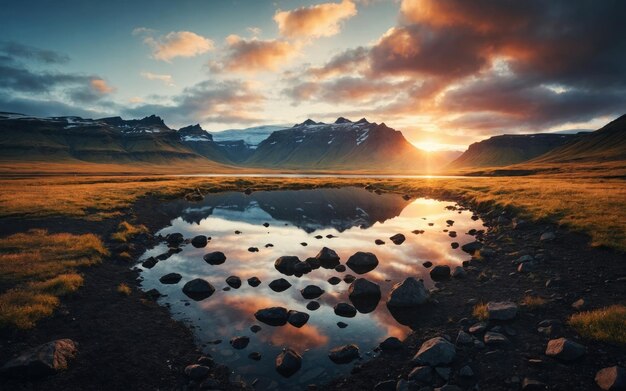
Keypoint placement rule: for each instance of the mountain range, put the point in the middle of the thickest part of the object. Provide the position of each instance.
(309, 145)
(306, 146)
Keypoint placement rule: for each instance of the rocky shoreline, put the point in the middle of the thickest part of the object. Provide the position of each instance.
(449, 347)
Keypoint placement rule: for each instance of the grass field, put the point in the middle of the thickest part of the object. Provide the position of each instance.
(36, 268)
(596, 206)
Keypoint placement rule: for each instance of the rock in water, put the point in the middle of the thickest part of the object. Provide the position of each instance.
(44, 360)
(345, 310)
(234, 282)
(611, 378)
(344, 354)
(254, 281)
(390, 344)
(279, 285)
(239, 342)
(174, 239)
(215, 258)
(501, 310)
(435, 351)
(440, 272)
(199, 241)
(288, 362)
(362, 262)
(472, 247)
(328, 258)
(197, 372)
(198, 289)
(398, 239)
(311, 292)
(297, 318)
(409, 293)
(362, 289)
(286, 264)
(273, 316)
(170, 278)
(565, 349)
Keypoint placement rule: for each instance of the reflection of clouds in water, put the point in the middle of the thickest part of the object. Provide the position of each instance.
(226, 314)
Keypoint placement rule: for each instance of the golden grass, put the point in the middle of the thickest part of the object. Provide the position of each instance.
(532, 302)
(606, 324)
(22, 309)
(36, 255)
(589, 204)
(127, 231)
(124, 289)
(36, 268)
(480, 311)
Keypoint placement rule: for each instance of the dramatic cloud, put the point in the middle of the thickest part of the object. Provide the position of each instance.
(321, 20)
(166, 79)
(18, 50)
(209, 102)
(252, 55)
(175, 44)
(490, 66)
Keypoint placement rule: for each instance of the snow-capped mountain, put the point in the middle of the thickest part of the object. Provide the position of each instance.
(250, 136)
(341, 145)
(309, 145)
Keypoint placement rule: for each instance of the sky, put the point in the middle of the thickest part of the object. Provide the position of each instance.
(445, 72)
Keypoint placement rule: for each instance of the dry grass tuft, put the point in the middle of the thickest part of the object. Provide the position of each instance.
(124, 289)
(127, 231)
(532, 302)
(606, 324)
(480, 311)
(22, 309)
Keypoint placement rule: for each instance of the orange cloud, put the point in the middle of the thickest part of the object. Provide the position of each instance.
(321, 20)
(166, 79)
(176, 44)
(251, 55)
(101, 86)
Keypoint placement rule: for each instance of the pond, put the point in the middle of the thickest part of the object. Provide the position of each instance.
(300, 223)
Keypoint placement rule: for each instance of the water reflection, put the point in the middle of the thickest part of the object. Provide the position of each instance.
(354, 219)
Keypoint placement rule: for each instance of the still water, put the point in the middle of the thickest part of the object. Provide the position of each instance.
(297, 223)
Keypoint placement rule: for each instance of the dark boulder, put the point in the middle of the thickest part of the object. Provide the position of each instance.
(344, 354)
(215, 258)
(398, 239)
(279, 285)
(170, 278)
(199, 241)
(328, 258)
(198, 289)
(311, 292)
(297, 318)
(43, 360)
(362, 262)
(286, 264)
(288, 362)
(273, 316)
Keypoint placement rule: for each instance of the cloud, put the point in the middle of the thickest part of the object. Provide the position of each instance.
(343, 63)
(16, 49)
(253, 55)
(166, 79)
(487, 66)
(101, 86)
(321, 20)
(175, 44)
(230, 101)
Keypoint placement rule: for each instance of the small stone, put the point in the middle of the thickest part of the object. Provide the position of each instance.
(273, 316)
(253, 249)
(435, 351)
(256, 356)
(423, 374)
(565, 349)
(215, 258)
(288, 362)
(279, 285)
(170, 278)
(345, 310)
(493, 338)
(342, 325)
(611, 378)
(478, 328)
(391, 343)
(427, 264)
(255, 328)
(197, 372)
(199, 241)
(297, 318)
(362, 262)
(239, 342)
(504, 310)
(334, 280)
(532, 385)
(440, 272)
(234, 282)
(458, 272)
(464, 338)
(466, 371)
(313, 305)
(547, 236)
(311, 292)
(379, 242)
(254, 282)
(409, 293)
(578, 304)
(344, 354)
(397, 239)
